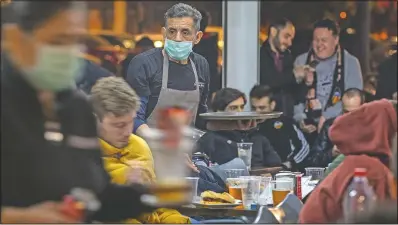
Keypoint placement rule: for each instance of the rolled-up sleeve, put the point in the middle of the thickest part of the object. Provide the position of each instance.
(137, 78)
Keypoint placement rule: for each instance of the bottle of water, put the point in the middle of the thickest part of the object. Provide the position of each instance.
(360, 196)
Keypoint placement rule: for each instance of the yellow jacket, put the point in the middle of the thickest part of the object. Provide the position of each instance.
(115, 162)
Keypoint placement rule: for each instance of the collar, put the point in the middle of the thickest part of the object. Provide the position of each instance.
(110, 150)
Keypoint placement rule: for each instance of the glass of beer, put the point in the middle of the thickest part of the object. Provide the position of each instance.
(280, 189)
(235, 187)
(245, 153)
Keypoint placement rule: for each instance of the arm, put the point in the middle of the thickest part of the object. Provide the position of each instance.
(202, 108)
(270, 158)
(137, 78)
(301, 147)
(352, 79)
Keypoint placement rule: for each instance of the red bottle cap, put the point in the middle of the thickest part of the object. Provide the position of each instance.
(360, 172)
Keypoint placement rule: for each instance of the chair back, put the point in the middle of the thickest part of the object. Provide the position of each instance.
(291, 207)
(265, 216)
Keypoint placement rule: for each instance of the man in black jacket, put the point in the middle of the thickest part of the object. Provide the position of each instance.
(323, 151)
(276, 65)
(221, 145)
(288, 141)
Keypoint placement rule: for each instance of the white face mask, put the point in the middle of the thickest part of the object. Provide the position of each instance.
(56, 67)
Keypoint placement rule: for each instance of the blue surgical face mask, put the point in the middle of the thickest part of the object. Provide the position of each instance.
(178, 50)
(56, 67)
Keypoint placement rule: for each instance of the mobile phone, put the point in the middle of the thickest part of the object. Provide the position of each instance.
(313, 64)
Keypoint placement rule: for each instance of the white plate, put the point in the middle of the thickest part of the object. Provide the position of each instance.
(218, 206)
(239, 115)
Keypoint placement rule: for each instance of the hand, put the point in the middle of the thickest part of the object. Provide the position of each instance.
(45, 212)
(300, 71)
(309, 78)
(321, 122)
(307, 128)
(394, 96)
(139, 173)
(190, 164)
(335, 151)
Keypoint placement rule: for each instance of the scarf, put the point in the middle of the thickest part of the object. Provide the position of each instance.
(336, 92)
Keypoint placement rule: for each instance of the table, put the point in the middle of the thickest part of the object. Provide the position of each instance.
(193, 211)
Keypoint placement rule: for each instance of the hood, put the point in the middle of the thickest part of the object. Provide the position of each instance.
(369, 129)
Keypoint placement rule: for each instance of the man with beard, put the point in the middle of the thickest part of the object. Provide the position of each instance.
(276, 65)
(336, 71)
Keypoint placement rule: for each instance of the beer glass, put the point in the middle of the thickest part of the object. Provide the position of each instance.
(245, 153)
(250, 190)
(280, 189)
(235, 187)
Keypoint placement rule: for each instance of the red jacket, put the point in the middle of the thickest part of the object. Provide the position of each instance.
(368, 130)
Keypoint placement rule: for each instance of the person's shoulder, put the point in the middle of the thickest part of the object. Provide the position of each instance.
(300, 59)
(199, 59)
(350, 58)
(138, 143)
(153, 54)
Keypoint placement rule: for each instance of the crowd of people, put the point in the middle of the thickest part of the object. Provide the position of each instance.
(62, 128)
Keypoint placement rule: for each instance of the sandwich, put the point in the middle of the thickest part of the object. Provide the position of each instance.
(211, 198)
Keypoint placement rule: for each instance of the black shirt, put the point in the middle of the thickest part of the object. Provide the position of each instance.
(145, 76)
(35, 168)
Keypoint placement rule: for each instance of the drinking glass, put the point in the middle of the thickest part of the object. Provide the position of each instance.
(316, 173)
(250, 191)
(245, 153)
(280, 189)
(193, 182)
(235, 187)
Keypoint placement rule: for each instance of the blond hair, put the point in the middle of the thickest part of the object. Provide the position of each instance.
(113, 95)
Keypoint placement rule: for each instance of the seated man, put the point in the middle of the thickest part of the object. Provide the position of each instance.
(288, 141)
(220, 144)
(115, 105)
(323, 152)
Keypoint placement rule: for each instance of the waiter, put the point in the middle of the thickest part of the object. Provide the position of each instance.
(49, 144)
(173, 76)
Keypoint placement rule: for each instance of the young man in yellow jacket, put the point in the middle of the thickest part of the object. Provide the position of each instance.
(115, 105)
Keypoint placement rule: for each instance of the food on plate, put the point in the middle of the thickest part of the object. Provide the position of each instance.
(211, 198)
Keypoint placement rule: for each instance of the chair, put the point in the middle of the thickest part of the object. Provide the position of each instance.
(291, 206)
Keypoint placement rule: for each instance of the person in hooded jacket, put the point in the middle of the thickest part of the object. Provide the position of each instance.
(221, 144)
(364, 137)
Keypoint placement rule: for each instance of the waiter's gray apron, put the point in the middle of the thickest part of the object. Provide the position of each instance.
(171, 97)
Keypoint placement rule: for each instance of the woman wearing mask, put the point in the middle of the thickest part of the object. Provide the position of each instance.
(49, 140)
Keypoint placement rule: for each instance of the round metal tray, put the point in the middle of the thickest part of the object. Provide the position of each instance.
(239, 115)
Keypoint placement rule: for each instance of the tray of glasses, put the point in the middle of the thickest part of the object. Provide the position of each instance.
(240, 115)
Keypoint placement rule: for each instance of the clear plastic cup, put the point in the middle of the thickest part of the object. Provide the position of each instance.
(250, 191)
(316, 173)
(233, 173)
(235, 187)
(280, 189)
(245, 153)
(193, 182)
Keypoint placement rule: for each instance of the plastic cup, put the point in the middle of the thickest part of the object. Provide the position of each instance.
(193, 182)
(280, 189)
(245, 153)
(235, 187)
(316, 173)
(233, 173)
(250, 191)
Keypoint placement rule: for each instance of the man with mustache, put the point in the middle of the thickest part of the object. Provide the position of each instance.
(336, 70)
(276, 65)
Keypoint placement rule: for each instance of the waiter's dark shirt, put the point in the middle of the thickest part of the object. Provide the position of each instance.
(145, 76)
(35, 169)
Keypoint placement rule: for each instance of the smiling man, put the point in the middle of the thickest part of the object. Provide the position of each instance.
(173, 76)
(336, 71)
